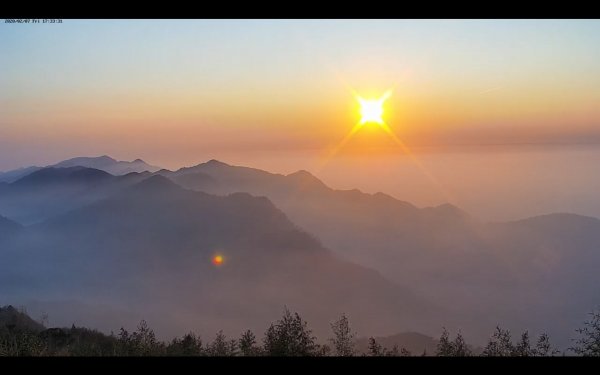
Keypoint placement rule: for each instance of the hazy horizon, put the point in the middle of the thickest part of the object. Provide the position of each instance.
(523, 183)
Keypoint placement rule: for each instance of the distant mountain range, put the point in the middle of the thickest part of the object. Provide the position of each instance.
(149, 247)
(104, 163)
(502, 272)
(50, 191)
(134, 239)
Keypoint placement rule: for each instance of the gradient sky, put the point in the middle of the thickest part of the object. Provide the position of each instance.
(181, 92)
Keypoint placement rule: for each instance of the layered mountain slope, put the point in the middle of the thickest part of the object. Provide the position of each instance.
(527, 274)
(149, 247)
(52, 191)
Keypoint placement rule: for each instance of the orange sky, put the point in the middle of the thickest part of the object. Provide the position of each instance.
(179, 92)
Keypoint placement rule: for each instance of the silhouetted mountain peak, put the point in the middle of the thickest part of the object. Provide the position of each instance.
(86, 161)
(306, 178)
(104, 163)
(212, 164)
(216, 162)
(108, 164)
(302, 173)
(106, 158)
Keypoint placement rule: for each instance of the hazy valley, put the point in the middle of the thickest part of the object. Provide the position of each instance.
(81, 243)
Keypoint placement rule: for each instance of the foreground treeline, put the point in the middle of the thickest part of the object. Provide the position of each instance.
(289, 336)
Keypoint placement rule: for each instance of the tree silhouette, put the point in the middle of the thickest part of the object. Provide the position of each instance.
(523, 348)
(500, 344)
(375, 349)
(220, 347)
(460, 347)
(456, 348)
(543, 347)
(588, 344)
(290, 336)
(343, 340)
(248, 345)
(124, 343)
(140, 343)
(444, 346)
(189, 345)
(146, 340)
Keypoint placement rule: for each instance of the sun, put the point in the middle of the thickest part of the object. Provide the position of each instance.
(371, 110)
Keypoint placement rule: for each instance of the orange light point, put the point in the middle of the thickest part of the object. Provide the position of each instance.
(217, 260)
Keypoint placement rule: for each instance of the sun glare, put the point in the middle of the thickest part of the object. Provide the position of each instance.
(371, 110)
(217, 260)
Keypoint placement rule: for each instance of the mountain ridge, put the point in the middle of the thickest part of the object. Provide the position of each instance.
(442, 251)
(158, 242)
(104, 162)
(499, 271)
